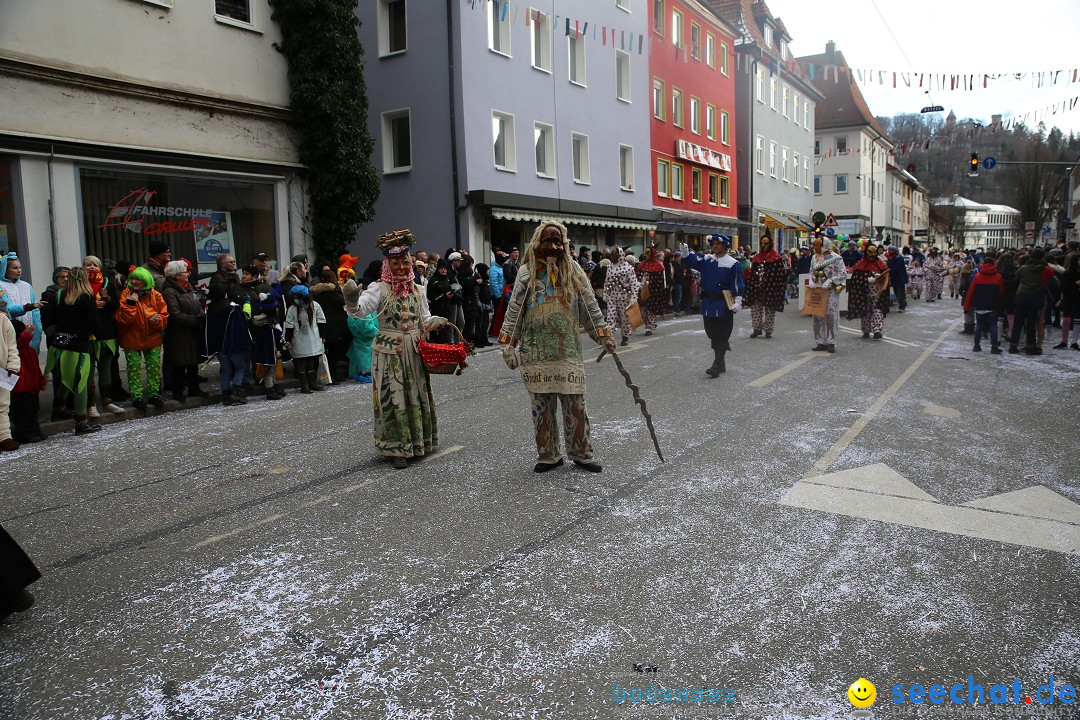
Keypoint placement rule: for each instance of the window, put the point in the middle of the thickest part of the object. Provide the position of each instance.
(396, 141)
(772, 92)
(759, 154)
(658, 99)
(796, 107)
(714, 189)
(695, 185)
(725, 192)
(841, 183)
(544, 141)
(579, 145)
(626, 167)
(622, 75)
(676, 181)
(502, 137)
(817, 185)
(785, 98)
(806, 114)
(393, 31)
(817, 147)
(761, 85)
(768, 35)
(658, 17)
(710, 50)
(238, 10)
(710, 122)
(623, 5)
(772, 159)
(725, 127)
(577, 59)
(499, 29)
(724, 58)
(663, 178)
(541, 41)
(841, 143)
(676, 107)
(695, 40)
(783, 50)
(806, 171)
(784, 165)
(795, 169)
(695, 115)
(676, 28)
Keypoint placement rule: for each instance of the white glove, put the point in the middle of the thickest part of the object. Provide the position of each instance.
(263, 296)
(684, 249)
(738, 305)
(511, 356)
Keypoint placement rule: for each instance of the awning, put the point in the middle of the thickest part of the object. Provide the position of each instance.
(588, 220)
(685, 218)
(777, 220)
(795, 223)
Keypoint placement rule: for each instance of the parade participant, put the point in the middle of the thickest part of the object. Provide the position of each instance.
(551, 300)
(868, 292)
(650, 273)
(721, 283)
(953, 268)
(916, 279)
(621, 289)
(765, 287)
(827, 271)
(898, 276)
(405, 422)
(22, 301)
(933, 275)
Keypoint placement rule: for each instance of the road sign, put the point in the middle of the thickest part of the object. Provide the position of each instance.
(880, 229)
(1029, 234)
(830, 222)
(1047, 230)
(989, 163)
(932, 108)
(830, 232)
(818, 218)
(922, 233)
(1029, 225)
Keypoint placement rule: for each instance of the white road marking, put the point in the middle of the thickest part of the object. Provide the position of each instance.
(840, 445)
(890, 340)
(871, 493)
(941, 411)
(777, 374)
(319, 500)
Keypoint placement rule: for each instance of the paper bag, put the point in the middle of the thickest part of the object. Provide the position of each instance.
(633, 312)
(817, 302)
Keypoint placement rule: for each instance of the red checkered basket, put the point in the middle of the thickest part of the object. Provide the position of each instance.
(442, 358)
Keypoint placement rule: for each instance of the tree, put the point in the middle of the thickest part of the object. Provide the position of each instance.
(1033, 186)
(329, 99)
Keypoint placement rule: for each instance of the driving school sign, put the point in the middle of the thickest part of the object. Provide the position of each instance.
(135, 213)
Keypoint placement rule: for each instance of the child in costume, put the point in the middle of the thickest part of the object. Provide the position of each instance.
(405, 422)
(302, 322)
(363, 331)
(25, 401)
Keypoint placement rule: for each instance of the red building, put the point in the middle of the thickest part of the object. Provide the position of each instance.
(692, 64)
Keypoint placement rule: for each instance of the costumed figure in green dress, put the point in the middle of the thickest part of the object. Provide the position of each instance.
(551, 302)
(405, 423)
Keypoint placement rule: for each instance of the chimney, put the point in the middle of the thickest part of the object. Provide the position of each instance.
(830, 52)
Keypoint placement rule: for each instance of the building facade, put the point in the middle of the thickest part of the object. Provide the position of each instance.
(775, 114)
(693, 133)
(120, 127)
(489, 117)
(851, 153)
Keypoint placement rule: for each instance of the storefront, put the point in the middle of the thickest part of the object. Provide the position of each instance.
(511, 228)
(9, 221)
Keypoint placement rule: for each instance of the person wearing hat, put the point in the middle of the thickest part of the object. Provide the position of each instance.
(868, 292)
(157, 257)
(405, 422)
(722, 289)
(550, 302)
(621, 288)
(765, 288)
(303, 337)
(827, 271)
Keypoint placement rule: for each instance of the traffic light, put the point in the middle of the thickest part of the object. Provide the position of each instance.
(974, 162)
(817, 230)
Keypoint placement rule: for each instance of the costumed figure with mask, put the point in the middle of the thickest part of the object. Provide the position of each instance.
(827, 270)
(405, 422)
(721, 282)
(933, 275)
(765, 288)
(621, 289)
(552, 301)
(868, 292)
(652, 274)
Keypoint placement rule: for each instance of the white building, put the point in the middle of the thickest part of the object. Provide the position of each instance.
(969, 224)
(1001, 227)
(125, 121)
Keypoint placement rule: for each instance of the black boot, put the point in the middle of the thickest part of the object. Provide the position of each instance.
(305, 386)
(718, 364)
(969, 329)
(313, 380)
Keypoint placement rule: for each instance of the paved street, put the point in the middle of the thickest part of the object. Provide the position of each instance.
(820, 518)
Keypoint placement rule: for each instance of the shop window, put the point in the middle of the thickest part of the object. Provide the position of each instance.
(198, 217)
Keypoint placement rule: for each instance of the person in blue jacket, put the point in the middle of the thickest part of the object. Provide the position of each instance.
(719, 273)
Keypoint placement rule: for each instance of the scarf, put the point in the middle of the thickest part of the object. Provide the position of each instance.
(868, 265)
(650, 266)
(398, 287)
(766, 257)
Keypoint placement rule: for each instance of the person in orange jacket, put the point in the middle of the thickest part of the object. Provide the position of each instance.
(141, 322)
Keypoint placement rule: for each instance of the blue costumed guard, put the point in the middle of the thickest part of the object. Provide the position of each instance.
(719, 273)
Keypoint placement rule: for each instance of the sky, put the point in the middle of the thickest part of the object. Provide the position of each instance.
(948, 36)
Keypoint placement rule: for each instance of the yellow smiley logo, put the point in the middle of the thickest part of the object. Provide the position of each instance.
(862, 693)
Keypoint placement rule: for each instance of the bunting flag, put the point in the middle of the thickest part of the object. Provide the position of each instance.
(946, 81)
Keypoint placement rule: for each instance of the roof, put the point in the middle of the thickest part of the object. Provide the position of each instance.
(1001, 208)
(745, 17)
(960, 202)
(844, 105)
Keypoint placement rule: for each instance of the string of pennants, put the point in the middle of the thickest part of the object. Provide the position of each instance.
(933, 81)
(972, 133)
(515, 11)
